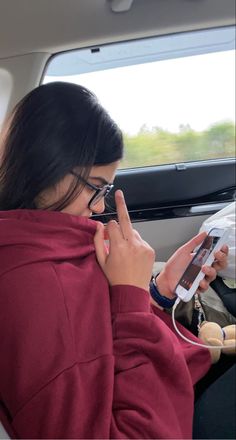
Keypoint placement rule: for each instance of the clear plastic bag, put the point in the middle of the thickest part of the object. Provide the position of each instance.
(225, 218)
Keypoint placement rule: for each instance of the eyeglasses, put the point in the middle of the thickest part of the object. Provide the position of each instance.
(100, 192)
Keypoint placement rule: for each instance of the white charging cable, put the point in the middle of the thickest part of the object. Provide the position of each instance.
(189, 340)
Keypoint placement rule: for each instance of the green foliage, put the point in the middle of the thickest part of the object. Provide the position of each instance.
(157, 146)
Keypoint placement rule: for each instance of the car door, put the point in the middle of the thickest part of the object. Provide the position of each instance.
(167, 204)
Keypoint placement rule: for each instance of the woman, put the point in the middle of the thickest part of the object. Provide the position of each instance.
(83, 354)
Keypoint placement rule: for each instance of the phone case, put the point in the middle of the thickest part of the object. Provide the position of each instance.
(184, 294)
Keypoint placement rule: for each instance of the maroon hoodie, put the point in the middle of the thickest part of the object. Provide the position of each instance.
(79, 359)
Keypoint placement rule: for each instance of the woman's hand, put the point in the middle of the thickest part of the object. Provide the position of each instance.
(176, 265)
(210, 272)
(129, 259)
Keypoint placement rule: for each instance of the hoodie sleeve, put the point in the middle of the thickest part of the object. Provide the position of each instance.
(154, 370)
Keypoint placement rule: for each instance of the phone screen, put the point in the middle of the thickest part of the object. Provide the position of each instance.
(200, 258)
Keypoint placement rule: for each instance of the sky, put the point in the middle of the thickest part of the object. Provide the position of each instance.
(197, 90)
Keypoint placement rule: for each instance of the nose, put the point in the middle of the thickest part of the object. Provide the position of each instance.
(99, 207)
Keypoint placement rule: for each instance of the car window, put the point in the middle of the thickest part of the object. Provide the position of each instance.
(173, 96)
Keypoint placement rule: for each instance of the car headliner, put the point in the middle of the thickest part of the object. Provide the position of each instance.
(51, 26)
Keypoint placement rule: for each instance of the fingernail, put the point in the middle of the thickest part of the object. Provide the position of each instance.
(112, 222)
(99, 226)
(120, 193)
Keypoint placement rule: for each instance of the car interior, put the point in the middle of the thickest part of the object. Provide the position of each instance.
(165, 71)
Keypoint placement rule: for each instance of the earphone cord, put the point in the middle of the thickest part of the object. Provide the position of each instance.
(189, 340)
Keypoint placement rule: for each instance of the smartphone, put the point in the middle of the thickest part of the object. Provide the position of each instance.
(189, 282)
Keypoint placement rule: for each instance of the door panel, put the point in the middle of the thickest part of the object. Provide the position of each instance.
(165, 236)
(167, 204)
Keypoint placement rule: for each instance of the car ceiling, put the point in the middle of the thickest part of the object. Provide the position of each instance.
(51, 26)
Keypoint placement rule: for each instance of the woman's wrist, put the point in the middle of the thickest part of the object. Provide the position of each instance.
(163, 287)
(160, 299)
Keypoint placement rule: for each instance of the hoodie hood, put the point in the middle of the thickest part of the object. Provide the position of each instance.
(29, 236)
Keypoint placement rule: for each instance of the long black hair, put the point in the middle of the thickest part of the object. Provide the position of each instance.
(55, 128)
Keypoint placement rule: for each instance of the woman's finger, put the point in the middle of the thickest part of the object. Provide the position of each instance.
(203, 285)
(194, 242)
(225, 249)
(218, 266)
(221, 260)
(123, 215)
(106, 236)
(210, 273)
(113, 231)
(100, 248)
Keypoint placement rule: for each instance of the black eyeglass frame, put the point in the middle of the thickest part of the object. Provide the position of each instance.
(100, 192)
